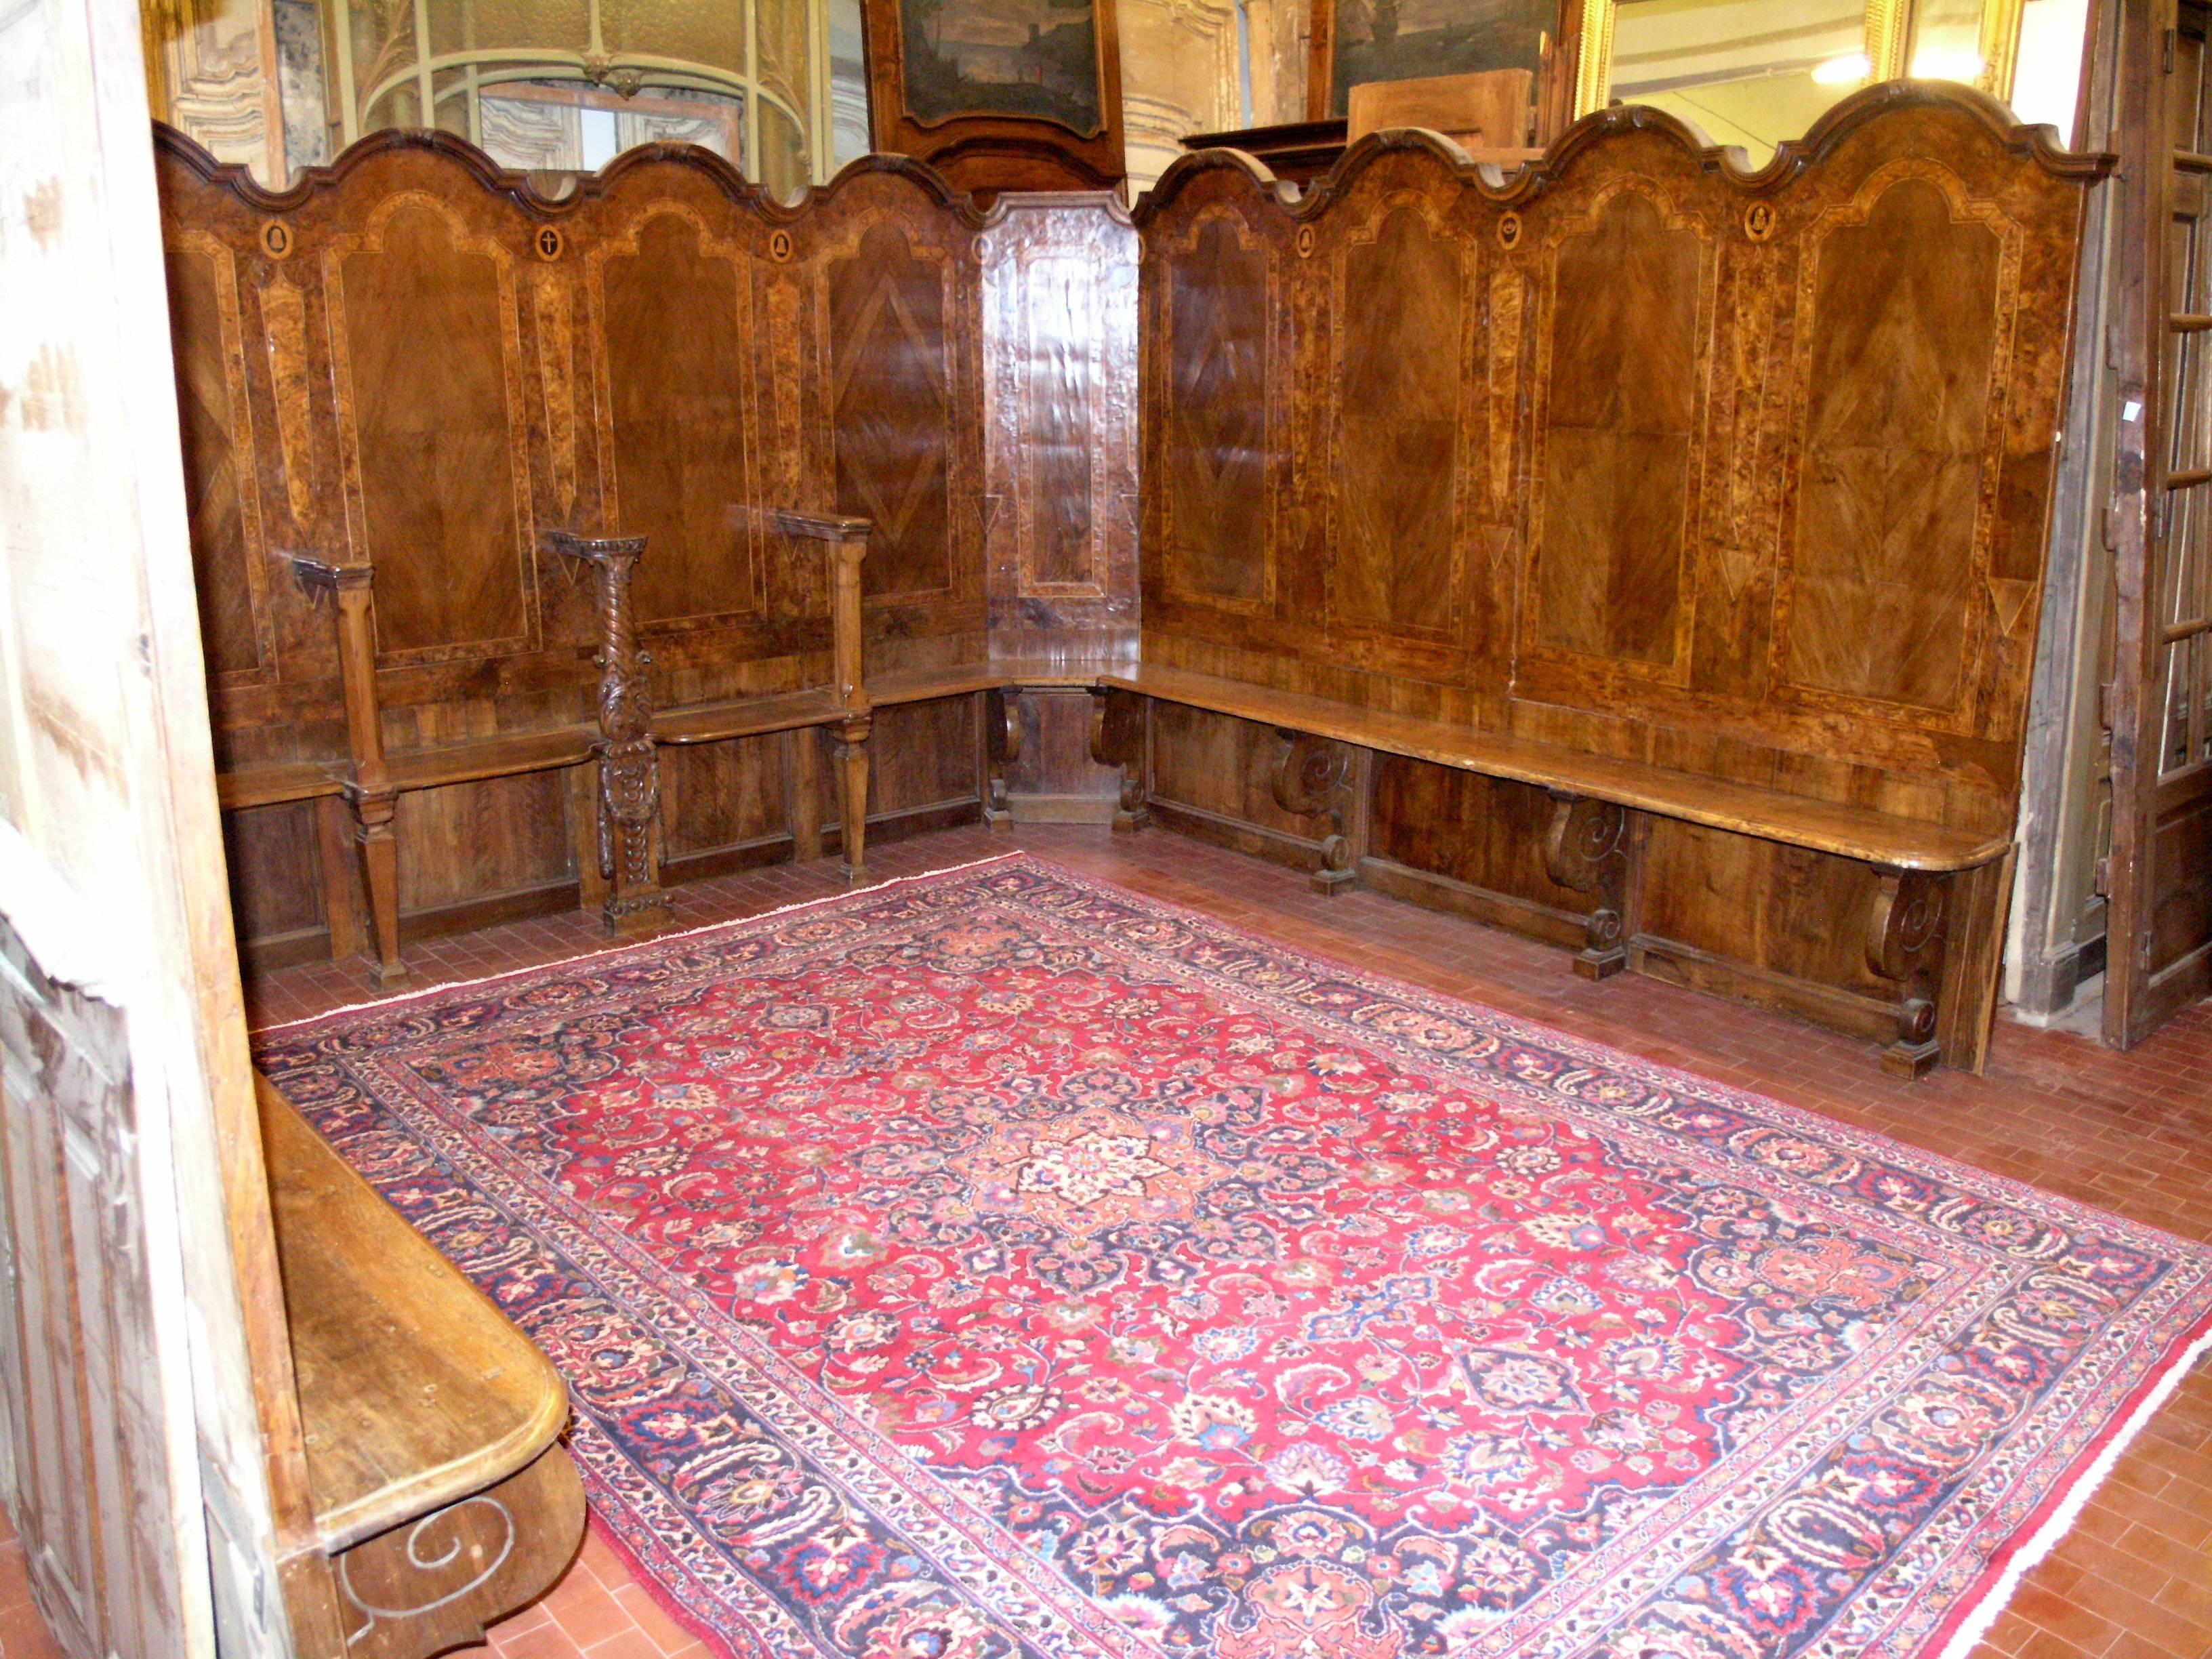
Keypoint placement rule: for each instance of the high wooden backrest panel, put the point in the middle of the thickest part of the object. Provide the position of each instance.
(413, 360)
(1746, 474)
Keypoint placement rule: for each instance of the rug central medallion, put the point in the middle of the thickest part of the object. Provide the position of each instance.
(1001, 1264)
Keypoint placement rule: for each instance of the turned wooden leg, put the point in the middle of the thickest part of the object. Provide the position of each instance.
(1587, 849)
(379, 865)
(1313, 777)
(1117, 739)
(1002, 746)
(1907, 932)
(802, 772)
(341, 891)
(852, 751)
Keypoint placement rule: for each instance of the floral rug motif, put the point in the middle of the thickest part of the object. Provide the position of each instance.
(1001, 1263)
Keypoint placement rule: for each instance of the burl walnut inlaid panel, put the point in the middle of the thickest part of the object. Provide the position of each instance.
(1633, 452)
(1745, 477)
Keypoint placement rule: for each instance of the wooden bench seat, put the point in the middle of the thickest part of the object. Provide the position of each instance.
(1851, 832)
(274, 782)
(437, 1486)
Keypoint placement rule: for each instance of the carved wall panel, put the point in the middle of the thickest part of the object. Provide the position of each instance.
(1216, 400)
(228, 543)
(1742, 479)
(423, 328)
(1394, 526)
(1059, 358)
(892, 410)
(1910, 307)
(1622, 337)
(421, 365)
(677, 416)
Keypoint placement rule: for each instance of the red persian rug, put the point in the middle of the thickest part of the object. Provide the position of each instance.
(1000, 1263)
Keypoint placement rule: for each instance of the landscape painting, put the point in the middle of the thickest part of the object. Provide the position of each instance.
(1033, 57)
(1406, 40)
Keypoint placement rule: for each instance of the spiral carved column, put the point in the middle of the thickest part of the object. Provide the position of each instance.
(630, 765)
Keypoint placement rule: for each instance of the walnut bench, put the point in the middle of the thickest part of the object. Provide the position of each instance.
(439, 1495)
(1929, 874)
(613, 773)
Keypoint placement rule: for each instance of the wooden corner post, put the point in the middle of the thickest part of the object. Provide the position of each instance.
(367, 784)
(629, 766)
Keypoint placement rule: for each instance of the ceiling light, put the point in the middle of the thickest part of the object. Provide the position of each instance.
(1842, 71)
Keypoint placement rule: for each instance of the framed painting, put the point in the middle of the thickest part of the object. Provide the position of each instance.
(1355, 42)
(999, 94)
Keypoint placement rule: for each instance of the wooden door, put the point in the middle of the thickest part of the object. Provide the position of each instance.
(142, 1330)
(2159, 704)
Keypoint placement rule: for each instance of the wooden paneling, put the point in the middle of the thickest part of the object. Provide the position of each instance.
(1393, 533)
(1637, 458)
(1059, 501)
(211, 405)
(1623, 346)
(423, 325)
(891, 380)
(680, 448)
(1214, 402)
(1908, 310)
(414, 362)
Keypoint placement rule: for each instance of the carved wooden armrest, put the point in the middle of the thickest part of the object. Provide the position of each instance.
(594, 550)
(821, 527)
(319, 575)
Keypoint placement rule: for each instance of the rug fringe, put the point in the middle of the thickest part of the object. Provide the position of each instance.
(655, 939)
(2080, 1490)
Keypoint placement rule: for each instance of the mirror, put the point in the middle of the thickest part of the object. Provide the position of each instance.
(1755, 72)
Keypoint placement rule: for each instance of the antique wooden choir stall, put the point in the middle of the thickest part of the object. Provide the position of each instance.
(1635, 554)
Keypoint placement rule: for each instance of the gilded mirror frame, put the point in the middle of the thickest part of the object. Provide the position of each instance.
(1888, 38)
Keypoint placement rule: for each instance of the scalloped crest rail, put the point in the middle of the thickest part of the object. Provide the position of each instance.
(1637, 554)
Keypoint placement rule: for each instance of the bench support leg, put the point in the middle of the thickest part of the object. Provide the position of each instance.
(1117, 739)
(379, 868)
(852, 752)
(1587, 849)
(629, 834)
(802, 773)
(1313, 780)
(341, 904)
(1907, 931)
(1002, 746)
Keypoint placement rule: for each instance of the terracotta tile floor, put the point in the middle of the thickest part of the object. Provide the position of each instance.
(2131, 1132)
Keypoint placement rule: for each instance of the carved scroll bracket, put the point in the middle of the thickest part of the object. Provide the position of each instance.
(630, 765)
(1587, 849)
(1907, 931)
(1313, 780)
(1117, 739)
(1002, 747)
